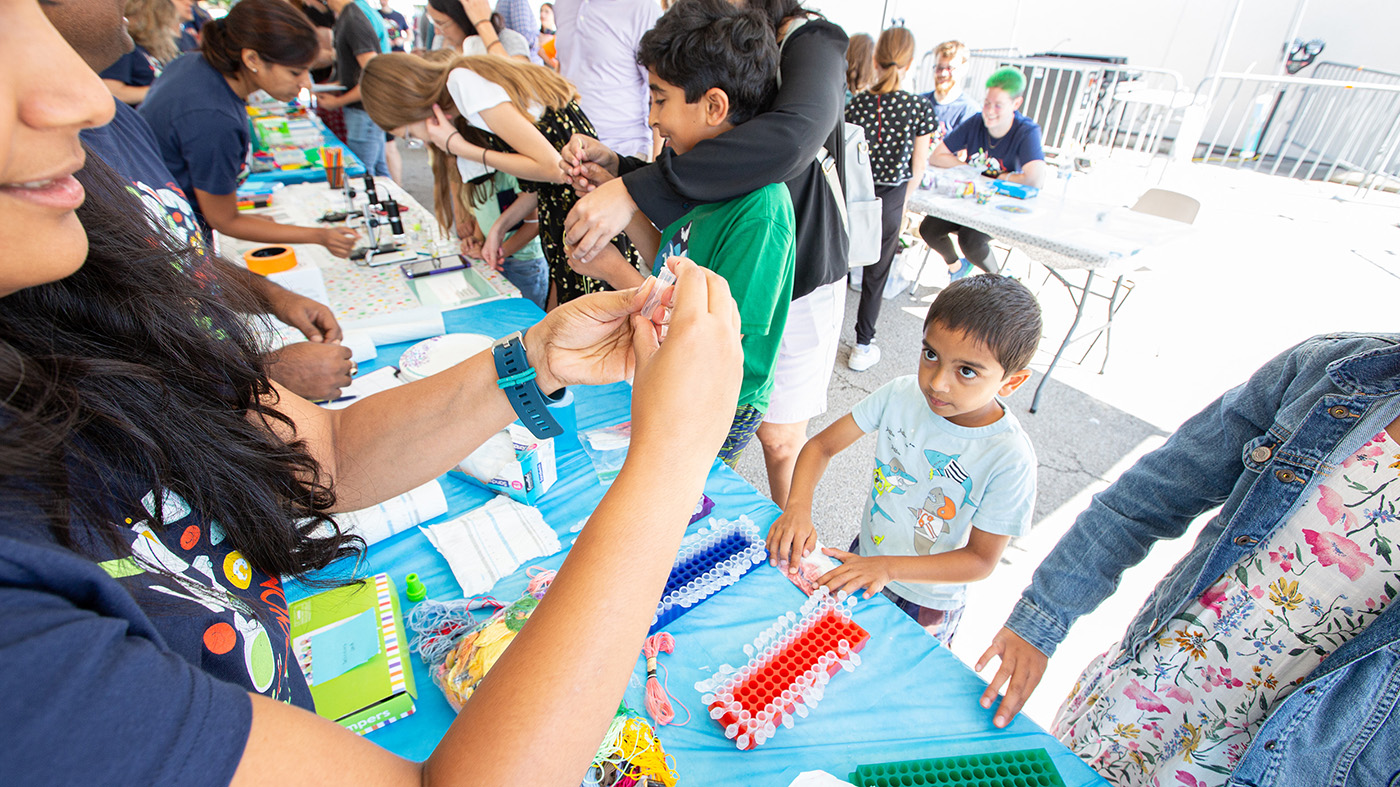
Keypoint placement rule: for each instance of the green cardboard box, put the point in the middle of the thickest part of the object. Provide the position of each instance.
(356, 634)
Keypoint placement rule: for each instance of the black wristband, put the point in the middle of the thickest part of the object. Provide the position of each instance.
(517, 380)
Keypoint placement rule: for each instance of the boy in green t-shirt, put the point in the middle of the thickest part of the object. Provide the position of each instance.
(712, 66)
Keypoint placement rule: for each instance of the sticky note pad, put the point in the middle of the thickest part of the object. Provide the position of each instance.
(340, 648)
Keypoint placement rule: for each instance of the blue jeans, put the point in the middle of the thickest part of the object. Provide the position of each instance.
(366, 140)
(531, 277)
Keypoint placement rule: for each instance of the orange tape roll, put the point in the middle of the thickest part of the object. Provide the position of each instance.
(270, 259)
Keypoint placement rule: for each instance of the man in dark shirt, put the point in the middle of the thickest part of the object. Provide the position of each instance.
(355, 43)
(315, 369)
(396, 24)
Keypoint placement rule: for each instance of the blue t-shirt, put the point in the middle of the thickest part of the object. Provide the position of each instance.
(934, 481)
(1020, 146)
(394, 25)
(950, 115)
(128, 146)
(201, 126)
(136, 670)
(135, 68)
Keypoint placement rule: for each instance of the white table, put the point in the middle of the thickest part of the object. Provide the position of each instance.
(356, 291)
(1061, 234)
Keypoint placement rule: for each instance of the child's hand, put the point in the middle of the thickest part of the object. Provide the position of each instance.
(855, 572)
(1022, 665)
(790, 539)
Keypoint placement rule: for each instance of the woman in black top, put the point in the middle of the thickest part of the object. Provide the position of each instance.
(778, 146)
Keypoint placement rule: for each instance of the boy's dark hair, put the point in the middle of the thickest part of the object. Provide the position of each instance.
(997, 311)
(700, 44)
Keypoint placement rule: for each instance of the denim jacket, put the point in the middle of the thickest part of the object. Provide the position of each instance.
(1258, 452)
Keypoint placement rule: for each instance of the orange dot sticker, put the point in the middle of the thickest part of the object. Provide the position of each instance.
(220, 638)
(190, 537)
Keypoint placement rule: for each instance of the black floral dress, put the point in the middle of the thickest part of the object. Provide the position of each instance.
(555, 201)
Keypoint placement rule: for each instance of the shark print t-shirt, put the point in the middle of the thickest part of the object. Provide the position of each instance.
(137, 669)
(934, 481)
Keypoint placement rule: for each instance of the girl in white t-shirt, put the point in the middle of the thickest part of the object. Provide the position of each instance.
(491, 113)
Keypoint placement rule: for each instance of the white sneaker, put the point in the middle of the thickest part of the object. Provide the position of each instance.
(863, 356)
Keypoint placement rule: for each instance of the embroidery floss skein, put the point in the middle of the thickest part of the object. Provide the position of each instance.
(658, 699)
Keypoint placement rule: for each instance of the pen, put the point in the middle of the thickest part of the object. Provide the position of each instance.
(334, 401)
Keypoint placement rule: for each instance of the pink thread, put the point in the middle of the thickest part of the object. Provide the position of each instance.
(658, 699)
(540, 580)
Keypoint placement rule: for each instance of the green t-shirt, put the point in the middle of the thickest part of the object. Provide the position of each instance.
(749, 241)
(488, 211)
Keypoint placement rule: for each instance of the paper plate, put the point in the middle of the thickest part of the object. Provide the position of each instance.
(434, 355)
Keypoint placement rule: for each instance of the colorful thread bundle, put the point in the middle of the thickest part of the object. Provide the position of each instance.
(788, 670)
(630, 756)
(458, 651)
(709, 560)
(658, 699)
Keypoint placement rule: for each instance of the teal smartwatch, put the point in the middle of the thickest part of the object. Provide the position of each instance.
(517, 379)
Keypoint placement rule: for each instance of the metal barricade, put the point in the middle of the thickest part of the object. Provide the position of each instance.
(1303, 127)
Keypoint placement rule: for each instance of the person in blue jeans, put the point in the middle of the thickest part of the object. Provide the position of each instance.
(356, 41)
(1270, 654)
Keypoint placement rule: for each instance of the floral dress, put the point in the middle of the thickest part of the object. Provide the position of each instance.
(1185, 710)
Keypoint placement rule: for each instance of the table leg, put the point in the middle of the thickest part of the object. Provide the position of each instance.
(1113, 305)
(1078, 314)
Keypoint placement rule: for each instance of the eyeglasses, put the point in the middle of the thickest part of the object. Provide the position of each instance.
(943, 69)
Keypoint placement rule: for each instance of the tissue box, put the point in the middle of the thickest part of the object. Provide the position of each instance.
(525, 477)
(1017, 190)
(350, 643)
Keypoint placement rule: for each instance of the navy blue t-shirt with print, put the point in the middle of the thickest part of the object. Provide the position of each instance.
(128, 146)
(1020, 146)
(950, 115)
(201, 126)
(135, 68)
(136, 669)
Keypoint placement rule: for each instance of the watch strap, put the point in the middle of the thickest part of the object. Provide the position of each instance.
(517, 380)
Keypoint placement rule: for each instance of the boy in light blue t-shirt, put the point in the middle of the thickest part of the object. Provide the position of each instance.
(954, 475)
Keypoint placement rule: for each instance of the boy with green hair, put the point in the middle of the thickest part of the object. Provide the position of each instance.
(1009, 142)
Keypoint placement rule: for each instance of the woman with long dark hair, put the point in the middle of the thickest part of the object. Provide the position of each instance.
(155, 487)
(197, 110)
(777, 146)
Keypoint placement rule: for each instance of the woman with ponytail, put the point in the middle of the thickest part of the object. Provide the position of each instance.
(485, 113)
(898, 127)
(155, 487)
(198, 111)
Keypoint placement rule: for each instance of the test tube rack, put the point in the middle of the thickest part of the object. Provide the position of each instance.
(789, 667)
(1025, 768)
(709, 560)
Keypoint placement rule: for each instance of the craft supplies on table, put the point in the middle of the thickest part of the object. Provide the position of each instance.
(349, 643)
(440, 353)
(1017, 190)
(630, 755)
(607, 449)
(489, 542)
(709, 560)
(1028, 768)
(512, 462)
(790, 665)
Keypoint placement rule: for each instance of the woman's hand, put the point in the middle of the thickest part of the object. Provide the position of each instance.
(588, 163)
(686, 389)
(587, 341)
(597, 218)
(1022, 665)
(477, 11)
(339, 240)
(438, 129)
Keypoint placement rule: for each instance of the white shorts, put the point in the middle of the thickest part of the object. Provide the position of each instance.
(807, 355)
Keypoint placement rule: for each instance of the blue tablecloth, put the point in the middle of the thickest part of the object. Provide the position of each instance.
(910, 697)
(353, 167)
